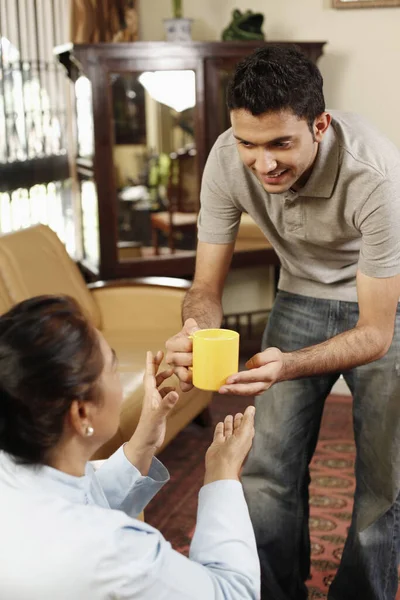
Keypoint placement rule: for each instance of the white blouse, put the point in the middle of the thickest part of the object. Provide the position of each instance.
(76, 538)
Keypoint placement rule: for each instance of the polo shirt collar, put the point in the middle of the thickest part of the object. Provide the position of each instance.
(323, 176)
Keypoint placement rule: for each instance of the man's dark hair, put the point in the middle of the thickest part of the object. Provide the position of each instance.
(277, 78)
(49, 356)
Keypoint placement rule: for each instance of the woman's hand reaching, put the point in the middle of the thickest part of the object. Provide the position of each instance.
(157, 404)
(232, 442)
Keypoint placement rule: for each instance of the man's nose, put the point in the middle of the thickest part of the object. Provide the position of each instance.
(265, 162)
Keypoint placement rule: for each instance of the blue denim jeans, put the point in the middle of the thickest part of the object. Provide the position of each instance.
(276, 475)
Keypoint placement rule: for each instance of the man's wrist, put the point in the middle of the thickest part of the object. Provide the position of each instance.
(288, 367)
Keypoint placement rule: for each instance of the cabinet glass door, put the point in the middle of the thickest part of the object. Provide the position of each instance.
(218, 74)
(155, 162)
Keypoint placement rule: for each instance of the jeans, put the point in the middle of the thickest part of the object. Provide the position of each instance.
(276, 475)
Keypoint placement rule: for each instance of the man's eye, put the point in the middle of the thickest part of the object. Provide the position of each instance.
(282, 144)
(246, 144)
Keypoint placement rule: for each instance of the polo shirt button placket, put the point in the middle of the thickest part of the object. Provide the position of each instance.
(292, 211)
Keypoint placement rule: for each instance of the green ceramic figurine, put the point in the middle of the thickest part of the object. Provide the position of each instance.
(244, 26)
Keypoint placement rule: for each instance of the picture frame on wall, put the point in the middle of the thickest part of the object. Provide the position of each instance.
(94, 21)
(365, 3)
(129, 20)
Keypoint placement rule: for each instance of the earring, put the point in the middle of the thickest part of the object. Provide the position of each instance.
(89, 431)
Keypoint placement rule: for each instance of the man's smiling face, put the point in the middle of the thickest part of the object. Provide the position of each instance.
(278, 147)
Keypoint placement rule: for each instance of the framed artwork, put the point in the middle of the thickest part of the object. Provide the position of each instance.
(129, 21)
(94, 21)
(364, 3)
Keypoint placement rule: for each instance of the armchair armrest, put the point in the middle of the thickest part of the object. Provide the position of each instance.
(148, 303)
(164, 282)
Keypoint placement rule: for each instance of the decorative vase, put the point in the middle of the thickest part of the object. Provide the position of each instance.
(178, 30)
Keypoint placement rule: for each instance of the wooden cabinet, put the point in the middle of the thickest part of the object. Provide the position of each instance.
(138, 105)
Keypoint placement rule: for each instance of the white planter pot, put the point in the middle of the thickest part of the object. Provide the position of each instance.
(178, 30)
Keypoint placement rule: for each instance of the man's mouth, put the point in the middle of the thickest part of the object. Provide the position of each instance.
(278, 174)
(274, 177)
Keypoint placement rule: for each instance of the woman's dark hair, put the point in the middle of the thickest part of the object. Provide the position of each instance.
(49, 356)
(277, 78)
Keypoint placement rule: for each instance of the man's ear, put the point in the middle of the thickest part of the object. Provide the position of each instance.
(321, 125)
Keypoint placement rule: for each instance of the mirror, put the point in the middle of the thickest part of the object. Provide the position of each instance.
(154, 155)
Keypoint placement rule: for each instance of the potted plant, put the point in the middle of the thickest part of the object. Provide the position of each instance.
(177, 9)
(178, 29)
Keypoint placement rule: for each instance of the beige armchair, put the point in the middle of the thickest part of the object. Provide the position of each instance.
(134, 316)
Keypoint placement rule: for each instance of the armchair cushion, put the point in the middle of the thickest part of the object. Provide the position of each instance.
(33, 261)
(148, 305)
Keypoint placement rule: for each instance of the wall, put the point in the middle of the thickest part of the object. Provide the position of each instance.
(361, 62)
(360, 65)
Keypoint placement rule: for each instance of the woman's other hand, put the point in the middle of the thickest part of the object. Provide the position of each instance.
(231, 444)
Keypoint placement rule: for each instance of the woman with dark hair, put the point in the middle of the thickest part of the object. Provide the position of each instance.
(70, 532)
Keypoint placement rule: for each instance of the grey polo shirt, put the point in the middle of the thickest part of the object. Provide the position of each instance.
(347, 216)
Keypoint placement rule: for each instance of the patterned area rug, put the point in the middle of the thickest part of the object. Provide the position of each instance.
(173, 511)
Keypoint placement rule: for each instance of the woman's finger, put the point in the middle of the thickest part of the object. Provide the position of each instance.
(219, 432)
(228, 423)
(237, 421)
(161, 377)
(158, 360)
(166, 390)
(149, 371)
(247, 424)
(170, 399)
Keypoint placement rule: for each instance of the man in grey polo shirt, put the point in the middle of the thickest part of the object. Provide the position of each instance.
(325, 189)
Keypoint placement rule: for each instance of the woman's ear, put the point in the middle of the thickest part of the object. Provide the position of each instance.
(80, 417)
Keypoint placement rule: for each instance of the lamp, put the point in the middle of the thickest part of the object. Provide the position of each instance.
(176, 89)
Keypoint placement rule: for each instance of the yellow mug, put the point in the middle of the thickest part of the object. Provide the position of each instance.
(215, 357)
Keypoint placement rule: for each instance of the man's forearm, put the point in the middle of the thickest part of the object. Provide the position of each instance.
(350, 349)
(204, 307)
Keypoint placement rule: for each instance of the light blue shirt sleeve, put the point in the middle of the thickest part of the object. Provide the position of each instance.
(125, 488)
(223, 562)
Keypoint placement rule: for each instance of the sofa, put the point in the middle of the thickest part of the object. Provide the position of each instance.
(133, 315)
